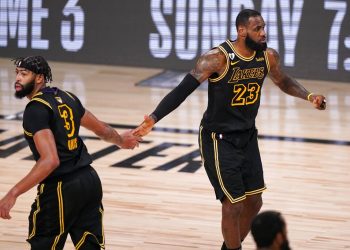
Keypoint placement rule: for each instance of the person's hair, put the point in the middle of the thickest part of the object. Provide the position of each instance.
(243, 17)
(36, 64)
(265, 227)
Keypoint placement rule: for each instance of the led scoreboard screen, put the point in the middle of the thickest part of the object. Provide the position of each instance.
(312, 37)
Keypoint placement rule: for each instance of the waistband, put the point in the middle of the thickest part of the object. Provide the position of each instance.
(68, 176)
(231, 133)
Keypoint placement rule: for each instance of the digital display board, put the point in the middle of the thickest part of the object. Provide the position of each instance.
(312, 37)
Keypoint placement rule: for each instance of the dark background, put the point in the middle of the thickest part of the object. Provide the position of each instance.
(117, 32)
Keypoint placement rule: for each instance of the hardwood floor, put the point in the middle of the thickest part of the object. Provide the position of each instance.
(158, 195)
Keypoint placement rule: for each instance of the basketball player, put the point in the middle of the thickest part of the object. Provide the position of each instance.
(69, 194)
(269, 231)
(227, 137)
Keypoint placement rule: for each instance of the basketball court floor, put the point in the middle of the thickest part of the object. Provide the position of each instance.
(158, 196)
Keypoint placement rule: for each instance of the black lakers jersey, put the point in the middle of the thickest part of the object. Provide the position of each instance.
(60, 112)
(234, 96)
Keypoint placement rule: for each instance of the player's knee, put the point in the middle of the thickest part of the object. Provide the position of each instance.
(231, 209)
(254, 202)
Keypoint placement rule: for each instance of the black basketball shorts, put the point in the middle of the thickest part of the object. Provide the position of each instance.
(71, 205)
(233, 164)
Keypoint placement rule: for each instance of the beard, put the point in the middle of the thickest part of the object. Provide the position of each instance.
(285, 245)
(250, 43)
(26, 89)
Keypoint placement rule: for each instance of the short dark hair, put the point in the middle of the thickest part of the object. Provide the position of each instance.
(243, 16)
(36, 64)
(266, 226)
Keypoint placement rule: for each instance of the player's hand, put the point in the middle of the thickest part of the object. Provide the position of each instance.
(145, 127)
(319, 101)
(6, 204)
(129, 140)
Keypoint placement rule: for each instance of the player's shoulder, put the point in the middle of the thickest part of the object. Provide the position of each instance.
(273, 55)
(69, 94)
(272, 52)
(37, 105)
(35, 110)
(215, 54)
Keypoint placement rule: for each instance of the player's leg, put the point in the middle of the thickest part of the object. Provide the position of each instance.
(253, 178)
(87, 231)
(46, 222)
(230, 223)
(222, 163)
(251, 207)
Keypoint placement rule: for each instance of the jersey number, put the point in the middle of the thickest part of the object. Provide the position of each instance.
(67, 115)
(240, 90)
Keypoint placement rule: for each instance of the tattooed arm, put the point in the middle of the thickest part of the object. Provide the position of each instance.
(211, 62)
(124, 140)
(288, 84)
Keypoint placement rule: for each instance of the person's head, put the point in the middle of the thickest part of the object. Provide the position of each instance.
(251, 28)
(269, 231)
(32, 73)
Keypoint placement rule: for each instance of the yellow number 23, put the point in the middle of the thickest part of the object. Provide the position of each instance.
(240, 97)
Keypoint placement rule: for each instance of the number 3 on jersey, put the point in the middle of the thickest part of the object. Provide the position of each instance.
(240, 90)
(67, 115)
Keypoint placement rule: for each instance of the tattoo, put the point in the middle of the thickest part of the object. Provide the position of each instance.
(286, 83)
(294, 88)
(111, 135)
(211, 62)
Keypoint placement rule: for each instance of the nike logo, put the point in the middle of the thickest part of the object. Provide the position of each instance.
(233, 63)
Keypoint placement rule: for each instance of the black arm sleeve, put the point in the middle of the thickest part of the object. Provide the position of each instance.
(175, 97)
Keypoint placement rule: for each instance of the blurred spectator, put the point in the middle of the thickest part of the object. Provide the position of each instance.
(269, 231)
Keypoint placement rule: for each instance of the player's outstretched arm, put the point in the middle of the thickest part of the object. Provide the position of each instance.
(289, 85)
(214, 61)
(145, 127)
(126, 140)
